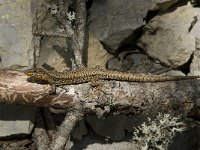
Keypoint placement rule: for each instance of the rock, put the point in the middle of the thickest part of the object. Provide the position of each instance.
(195, 3)
(174, 73)
(16, 48)
(80, 130)
(97, 55)
(113, 146)
(134, 121)
(167, 37)
(53, 54)
(134, 62)
(112, 22)
(93, 142)
(195, 65)
(164, 4)
(16, 40)
(110, 127)
(187, 140)
(16, 120)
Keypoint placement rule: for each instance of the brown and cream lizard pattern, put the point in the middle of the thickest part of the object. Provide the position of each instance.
(95, 74)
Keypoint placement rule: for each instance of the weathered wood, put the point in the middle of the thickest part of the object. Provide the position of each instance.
(109, 96)
(15, 89)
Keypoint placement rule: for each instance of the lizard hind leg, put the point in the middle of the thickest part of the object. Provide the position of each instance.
(95, 82)
(53, 86)
(99, 67)
(53, 89)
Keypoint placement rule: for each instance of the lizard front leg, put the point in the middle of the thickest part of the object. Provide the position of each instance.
(53, 89)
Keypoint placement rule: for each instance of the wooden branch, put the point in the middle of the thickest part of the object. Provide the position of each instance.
(79, 41)
(111, 96)
(65, 129)
(39, 135)
(51, 34)
(15, 89)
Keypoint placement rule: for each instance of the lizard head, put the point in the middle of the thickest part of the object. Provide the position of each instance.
(38, 73)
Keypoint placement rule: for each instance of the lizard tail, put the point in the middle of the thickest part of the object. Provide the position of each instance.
(122, 76)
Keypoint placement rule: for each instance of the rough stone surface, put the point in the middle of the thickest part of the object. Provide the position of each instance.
(167, 38)
(134, 62)
(16, 48)
(109, 127)
(164, 4)
(80, 130)
(16, 120)
(112, 146)
(134, 121)
(195, 65)
(187, 140)
(174, 73)
(94, 142)
(53, 53)
(16, 41)
(113, 21)
(97, 55)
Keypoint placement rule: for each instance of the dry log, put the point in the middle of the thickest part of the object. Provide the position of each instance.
(16, 89)
(110, 96)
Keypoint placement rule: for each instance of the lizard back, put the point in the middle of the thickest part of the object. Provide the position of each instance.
(94, 74)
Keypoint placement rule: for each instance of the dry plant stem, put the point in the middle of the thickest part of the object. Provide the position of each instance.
(67, 26)
(40, 136)
(65, 129)
(77, 53)
(49, 123)
(80, 24)
(50, 34)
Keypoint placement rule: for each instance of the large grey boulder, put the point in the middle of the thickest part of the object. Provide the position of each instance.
(16, 40)
(170, 38)
(16, 48)
(113, 21)
(195, 65)
(16, 120)
(112, 127)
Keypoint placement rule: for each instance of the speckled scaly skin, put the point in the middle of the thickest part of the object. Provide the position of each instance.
(95, 74)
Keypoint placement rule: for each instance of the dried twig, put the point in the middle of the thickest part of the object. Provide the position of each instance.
(48, 33)
(40, 136)
(65, 129)
(80, 37)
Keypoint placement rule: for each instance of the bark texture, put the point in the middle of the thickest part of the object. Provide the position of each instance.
(108, 97)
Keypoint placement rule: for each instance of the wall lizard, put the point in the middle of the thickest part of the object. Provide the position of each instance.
(94, 74)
